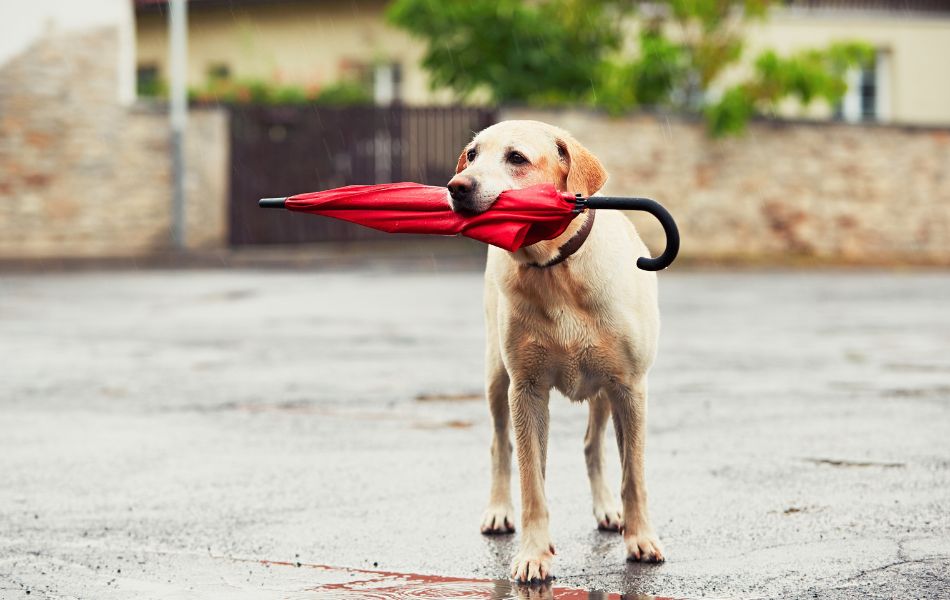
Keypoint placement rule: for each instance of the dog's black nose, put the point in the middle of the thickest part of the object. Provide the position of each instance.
(461, 188)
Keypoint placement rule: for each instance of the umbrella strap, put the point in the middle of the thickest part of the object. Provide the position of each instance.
(572, 245)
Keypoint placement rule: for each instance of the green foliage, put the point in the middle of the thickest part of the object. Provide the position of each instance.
(344, 93)
(538, 52)
(730, 115)
(259, 91)
(545, 52)
(805, 76)
(660, 69)
(712, 14)
(650, 81)
(710, 32)
(151, 88)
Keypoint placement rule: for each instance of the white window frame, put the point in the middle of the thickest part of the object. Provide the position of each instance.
(851, 107)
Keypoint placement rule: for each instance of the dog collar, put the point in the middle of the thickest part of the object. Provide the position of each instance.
(572, 245)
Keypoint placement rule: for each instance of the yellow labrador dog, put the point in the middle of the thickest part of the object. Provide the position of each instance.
(573, 313)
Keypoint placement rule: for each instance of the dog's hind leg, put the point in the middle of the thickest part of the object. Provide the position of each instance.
(607, 512)
(499, 517)
(628, 402)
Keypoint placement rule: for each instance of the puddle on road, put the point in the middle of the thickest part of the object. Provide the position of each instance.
(834, 462)
(449, 397)
(344, 584)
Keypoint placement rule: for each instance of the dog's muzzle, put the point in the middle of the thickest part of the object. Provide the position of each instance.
(463, 193)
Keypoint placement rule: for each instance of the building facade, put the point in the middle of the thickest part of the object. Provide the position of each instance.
(908, 84)
(315, 44)
(305, 43)
(84, 169)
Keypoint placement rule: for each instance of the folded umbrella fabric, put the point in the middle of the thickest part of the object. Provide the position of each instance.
(518, 218)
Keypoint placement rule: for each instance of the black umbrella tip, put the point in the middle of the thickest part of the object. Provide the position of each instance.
(272, 202)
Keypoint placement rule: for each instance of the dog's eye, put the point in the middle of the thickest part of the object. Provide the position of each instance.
(517, 158)
(470, 156)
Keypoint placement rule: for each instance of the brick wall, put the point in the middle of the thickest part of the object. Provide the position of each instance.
(83, 175)
(784, 191)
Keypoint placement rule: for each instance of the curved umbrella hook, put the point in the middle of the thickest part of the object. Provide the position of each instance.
(647, 205)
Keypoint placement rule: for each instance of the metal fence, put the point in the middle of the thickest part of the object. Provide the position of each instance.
(280, 151)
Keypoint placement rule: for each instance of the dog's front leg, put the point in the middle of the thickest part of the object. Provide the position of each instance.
(629, 406)
(529, 415)
(499, 516)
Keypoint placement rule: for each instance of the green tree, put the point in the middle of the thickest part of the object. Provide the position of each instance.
(516, 51)
(546, 52)
(805, 76)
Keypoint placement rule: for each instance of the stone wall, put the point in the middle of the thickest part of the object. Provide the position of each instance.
(784, 191)
(83, 175)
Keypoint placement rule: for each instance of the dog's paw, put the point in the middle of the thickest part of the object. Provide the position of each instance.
(498, 519)
(533, 565)
(608, 515)
(643, 546)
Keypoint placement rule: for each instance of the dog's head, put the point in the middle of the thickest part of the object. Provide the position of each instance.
(518, 154)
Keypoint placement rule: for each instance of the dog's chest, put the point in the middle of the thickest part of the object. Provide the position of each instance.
(564, 338)
(581, 357)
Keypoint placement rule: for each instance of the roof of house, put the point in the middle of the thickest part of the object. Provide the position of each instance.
(891, 6)
(161, 5)
(874, 5)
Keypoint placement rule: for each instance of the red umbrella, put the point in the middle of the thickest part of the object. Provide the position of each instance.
(518, 218)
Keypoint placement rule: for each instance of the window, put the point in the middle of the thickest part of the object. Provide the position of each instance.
(382, 80)
(867, 92)
(387, 79)
(148, 84)
(219, 72)
(867, 97)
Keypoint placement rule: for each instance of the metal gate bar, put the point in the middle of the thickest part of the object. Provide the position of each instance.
(285, 150)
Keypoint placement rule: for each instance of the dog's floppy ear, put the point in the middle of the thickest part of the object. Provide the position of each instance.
(585, 174)
(463, 161)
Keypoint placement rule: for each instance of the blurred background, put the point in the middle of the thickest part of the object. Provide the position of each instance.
(774, 131)
(198, 397)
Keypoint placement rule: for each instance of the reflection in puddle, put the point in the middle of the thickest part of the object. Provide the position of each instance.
(381, 585)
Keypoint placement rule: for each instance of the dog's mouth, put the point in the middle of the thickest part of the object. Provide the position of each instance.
(467, 196)
(468, 207)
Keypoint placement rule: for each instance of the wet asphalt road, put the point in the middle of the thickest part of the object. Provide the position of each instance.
(162, 431)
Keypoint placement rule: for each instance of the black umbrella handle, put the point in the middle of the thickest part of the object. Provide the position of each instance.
(654, 208)
(272, 202)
